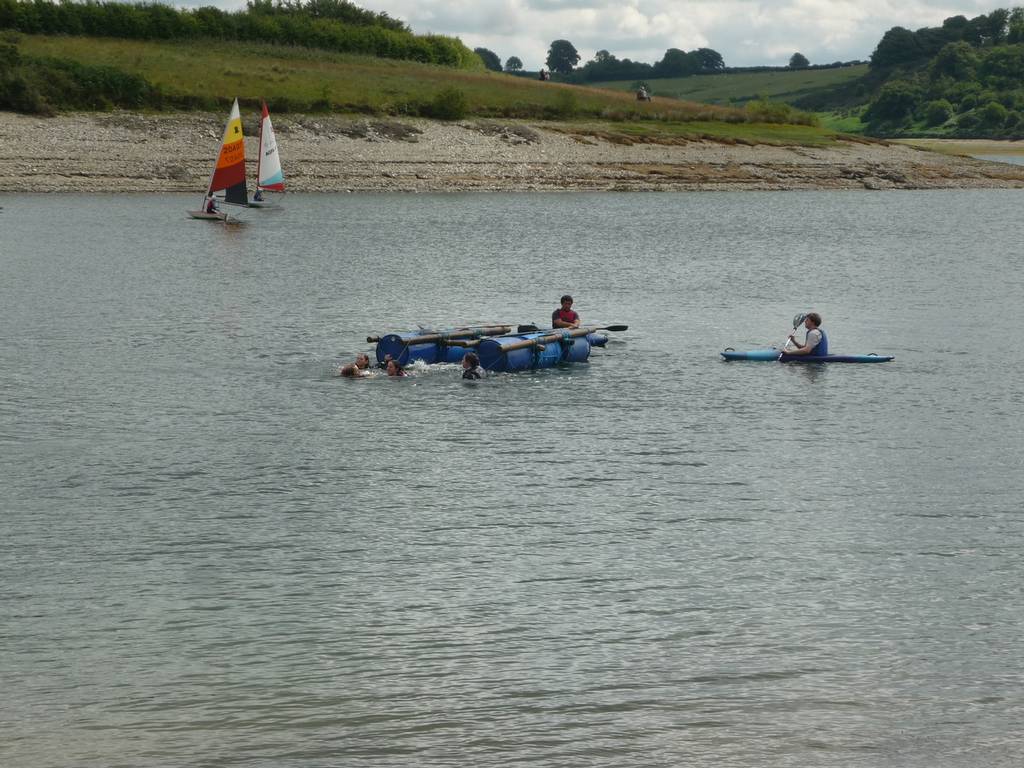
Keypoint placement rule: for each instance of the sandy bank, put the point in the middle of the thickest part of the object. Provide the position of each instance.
(122, 152)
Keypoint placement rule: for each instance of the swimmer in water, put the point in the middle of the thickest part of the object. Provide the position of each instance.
(471, 367)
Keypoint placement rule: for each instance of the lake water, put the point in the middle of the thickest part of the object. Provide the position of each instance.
(1004, 157)
(214, 552)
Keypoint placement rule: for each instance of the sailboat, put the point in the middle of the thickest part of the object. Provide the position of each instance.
(228, 173)
(268, 163)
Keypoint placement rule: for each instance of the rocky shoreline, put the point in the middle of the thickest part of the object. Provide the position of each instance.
(129, 152)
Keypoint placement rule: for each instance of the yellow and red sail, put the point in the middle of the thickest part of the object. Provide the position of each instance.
(229, 173)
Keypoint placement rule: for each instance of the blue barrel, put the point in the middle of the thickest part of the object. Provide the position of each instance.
(494, 355)
(395, 344)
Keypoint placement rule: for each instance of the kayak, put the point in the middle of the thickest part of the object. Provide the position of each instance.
(773, 353)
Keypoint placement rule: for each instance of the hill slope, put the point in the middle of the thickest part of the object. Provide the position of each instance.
(741, 87)
(206, 75)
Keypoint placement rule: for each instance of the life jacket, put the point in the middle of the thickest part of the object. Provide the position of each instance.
(822, 348)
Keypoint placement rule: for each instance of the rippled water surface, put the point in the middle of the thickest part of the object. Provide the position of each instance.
(215, 552)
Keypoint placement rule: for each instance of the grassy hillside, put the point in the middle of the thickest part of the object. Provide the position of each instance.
(208, 75)
(741, 87)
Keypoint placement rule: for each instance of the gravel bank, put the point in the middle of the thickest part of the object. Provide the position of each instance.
(127, 152)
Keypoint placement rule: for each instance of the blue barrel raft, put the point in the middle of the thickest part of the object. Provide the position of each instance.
(431, 346)
(540, 349)
(773, 354)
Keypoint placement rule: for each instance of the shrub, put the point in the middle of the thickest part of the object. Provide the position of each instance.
(993, 114)
(566, 105)
(448, 104)
(937, 112)
(968, 121)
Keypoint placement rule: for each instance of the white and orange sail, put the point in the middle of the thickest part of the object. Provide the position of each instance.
(229, 172)
(268, 166)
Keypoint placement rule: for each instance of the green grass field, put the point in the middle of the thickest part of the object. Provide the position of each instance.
(742, 87)
(300, 77)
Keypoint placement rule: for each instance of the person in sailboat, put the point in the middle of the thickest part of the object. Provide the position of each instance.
(258, 197)
(211, 205)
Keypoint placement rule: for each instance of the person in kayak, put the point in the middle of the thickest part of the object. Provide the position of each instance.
(471, 367)
(564, 317)
(815, 342)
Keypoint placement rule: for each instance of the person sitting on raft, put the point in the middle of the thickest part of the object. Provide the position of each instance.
(395, 368)
(564, 317)
(361, 367)
(815, 342)
(471, 367)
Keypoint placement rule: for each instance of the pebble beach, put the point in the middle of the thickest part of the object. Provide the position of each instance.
(132, 152)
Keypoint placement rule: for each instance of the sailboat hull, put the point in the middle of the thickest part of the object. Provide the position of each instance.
(219, 216)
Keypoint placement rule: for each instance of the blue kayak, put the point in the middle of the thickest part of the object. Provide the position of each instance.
(773, 353)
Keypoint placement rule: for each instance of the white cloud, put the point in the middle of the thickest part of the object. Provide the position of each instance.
(745, 32)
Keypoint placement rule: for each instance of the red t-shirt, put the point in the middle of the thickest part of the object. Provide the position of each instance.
(565, 315)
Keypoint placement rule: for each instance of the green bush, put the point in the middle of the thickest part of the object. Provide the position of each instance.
(968, 121)
(566, 105)
(937, 112)
(448, 104)
(334, 25)
(993, 114)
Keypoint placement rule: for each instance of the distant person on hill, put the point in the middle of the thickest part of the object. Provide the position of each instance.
(471, 367)
(564, 317)
(815, 342)
(544, 74)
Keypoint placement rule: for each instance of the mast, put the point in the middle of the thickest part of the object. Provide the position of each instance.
(259, 156)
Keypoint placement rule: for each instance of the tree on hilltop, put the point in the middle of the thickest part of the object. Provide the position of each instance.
(562, 57)
(489, 58)
(676, 63)
(709, 60)
(513, 64)
(798, 61)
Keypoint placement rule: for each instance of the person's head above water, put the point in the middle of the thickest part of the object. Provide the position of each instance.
(471, 360)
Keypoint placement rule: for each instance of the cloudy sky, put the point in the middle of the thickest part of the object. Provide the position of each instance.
(745, 32)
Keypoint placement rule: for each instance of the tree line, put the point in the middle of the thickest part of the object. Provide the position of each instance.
(901, 46)
(332, 25)
(965, 78)
(563, 57)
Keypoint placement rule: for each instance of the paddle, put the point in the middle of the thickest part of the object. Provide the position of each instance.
(558, 335)
(797, 319)
(482, 330)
